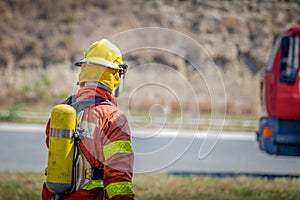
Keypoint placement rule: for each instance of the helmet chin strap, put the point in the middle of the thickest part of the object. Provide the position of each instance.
(117, 92)
(122, 73)
(121, 86)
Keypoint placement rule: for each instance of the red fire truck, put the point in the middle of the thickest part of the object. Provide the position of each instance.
(279, 128)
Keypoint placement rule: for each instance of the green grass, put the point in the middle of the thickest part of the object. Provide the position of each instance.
(20, 185)
(172, 121)
(198, 187)
(27, 185)
(202, 121)
(39, 113)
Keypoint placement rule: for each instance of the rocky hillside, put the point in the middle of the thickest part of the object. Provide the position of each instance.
(40, 39)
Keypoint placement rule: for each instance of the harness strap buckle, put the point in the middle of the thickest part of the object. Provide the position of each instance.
(94, 173)
(97, 173)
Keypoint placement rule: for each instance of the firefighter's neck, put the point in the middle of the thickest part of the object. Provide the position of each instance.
(96, 84)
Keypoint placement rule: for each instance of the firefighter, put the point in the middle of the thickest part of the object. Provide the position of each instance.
(105, 134)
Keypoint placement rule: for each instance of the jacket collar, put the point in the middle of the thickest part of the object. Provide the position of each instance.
(89, 92)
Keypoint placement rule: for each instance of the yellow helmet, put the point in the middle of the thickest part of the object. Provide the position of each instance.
(102, 53)
(102, 63)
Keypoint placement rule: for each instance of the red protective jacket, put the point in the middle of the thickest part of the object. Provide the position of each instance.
(106, 145)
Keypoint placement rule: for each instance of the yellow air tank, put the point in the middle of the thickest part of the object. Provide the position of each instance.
(61, 149)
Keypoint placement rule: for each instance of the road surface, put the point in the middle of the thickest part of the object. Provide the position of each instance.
(22, 148)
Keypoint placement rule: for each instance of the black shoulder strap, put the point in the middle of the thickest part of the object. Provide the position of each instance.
(97, 173)
(81, 105)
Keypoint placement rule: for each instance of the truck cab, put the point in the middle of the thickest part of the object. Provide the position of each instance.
(279, 127)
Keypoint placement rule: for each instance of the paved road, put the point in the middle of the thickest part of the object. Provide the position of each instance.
(157, 151)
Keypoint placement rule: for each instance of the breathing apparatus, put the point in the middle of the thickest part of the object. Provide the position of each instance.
(61, 149)
(68, 168)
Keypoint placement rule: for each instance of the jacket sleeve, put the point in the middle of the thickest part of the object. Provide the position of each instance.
(118, 159)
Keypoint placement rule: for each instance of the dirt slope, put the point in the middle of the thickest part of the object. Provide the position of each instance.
(40, 39)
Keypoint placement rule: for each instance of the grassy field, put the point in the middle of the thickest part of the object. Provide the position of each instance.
(40, 115)
(27, 186)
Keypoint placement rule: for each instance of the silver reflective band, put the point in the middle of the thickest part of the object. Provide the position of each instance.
(61, 133)
(97, 84)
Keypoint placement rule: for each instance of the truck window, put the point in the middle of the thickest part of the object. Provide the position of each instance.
(276, 46)
(289, 59)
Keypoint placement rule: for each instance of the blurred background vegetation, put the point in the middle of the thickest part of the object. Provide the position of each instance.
(40, 40)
